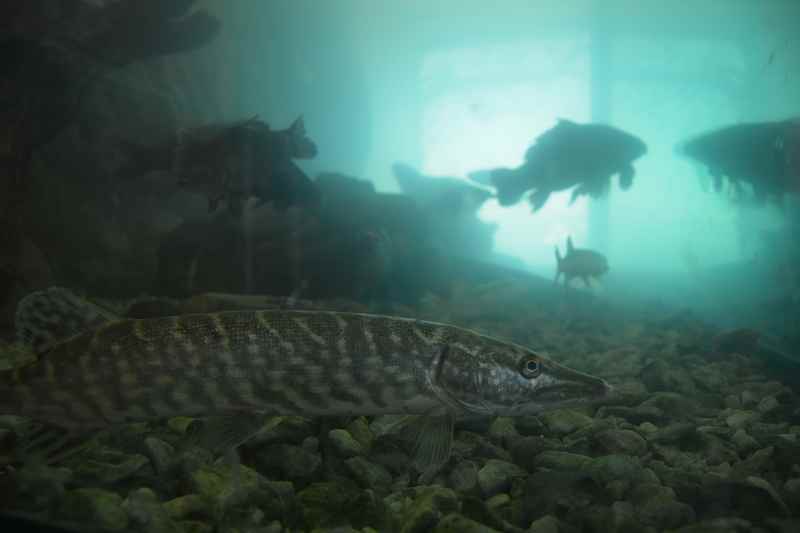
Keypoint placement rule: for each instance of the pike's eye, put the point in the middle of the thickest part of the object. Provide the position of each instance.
(531, 368)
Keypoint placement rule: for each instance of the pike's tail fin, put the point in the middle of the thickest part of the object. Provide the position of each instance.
(48, 316)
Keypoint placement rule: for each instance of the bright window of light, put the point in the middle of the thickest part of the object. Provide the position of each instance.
(485, 106)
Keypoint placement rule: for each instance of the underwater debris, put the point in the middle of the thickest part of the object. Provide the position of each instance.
(583, 156)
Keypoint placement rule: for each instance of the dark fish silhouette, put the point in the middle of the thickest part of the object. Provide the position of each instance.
(579, 263)
(232, 162)
(584, 156)
(765, 155)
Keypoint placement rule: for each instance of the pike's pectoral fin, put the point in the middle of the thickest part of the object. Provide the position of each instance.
(434, 443)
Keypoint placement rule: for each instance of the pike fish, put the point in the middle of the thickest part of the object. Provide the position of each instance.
(235, 364)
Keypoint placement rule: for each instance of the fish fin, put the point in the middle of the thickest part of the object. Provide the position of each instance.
(433, 445)
(558, 264)
(226, 432)
(406, 176)
(539, 198)
(717, 176)
(51, 315)
(566, 122)
(570, 246)
(626, 177)
(510, 184)
(576, 193)
(484, 177)
(298, 127)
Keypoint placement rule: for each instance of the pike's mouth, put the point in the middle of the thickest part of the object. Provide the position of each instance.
(575, 392)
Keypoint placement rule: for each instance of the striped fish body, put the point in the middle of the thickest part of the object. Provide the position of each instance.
(274, 362)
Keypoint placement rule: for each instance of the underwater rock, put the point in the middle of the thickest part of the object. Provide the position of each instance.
(225, 487)
(525, 450)
(623, 517)
(420, 509)
(369, 475)
(344, 444)
(194, 458)
(283, 430)
(529, 426)
(744, 443)
(565, 421)
(716, 450)
(385, 425)
(475, 445)
(635, 415)
(503, 430)
(496, 476)
(359, 429)
(187, 505)
(752, 498)
(623, 441)
(456, 523)
(498, 501)
(40, 486)
(657, 506)
(183, 425)
(463, 478)
(759, 461)
(741, 419)
(791, 490)
(94, 506)
(160, 453)
(106, 472)
(546, 524)
(560, 494)
(767, 405)
(674, 433)
(718, 525)
(290, 462)
(390, 456)
(613, 467)
(662, 376)
(555, 460)
(675, 405)
(147, 513)
(195, 526)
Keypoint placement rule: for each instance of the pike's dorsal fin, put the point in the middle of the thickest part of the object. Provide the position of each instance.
(570, 247)
(52, 315)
